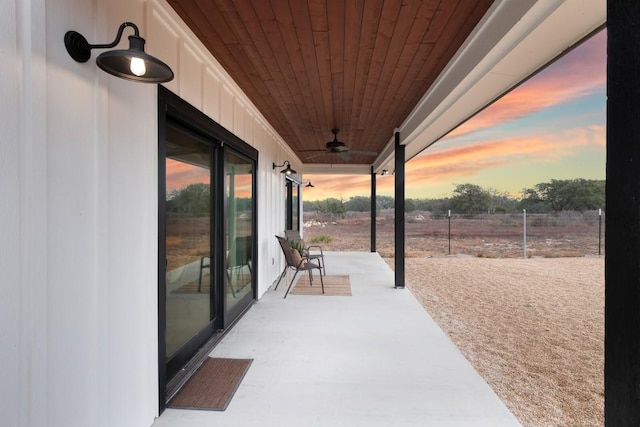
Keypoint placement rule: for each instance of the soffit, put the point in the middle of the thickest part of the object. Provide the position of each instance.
(311, 66)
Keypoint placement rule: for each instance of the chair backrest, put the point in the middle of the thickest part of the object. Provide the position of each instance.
(286, 249)
(292, 234)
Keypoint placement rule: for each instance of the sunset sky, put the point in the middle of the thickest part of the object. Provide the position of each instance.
(550, 127)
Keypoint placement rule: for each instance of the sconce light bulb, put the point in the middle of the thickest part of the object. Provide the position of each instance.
(137, 67)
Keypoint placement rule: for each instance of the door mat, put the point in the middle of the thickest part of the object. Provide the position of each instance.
(333, 286)
(213, 385)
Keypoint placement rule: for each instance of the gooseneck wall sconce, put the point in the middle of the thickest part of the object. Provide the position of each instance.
(130, 64)
(287, 170)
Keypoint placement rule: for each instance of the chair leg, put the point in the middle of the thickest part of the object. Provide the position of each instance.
(292, 280)
(233, 291)
(281, 276)
(321, 282)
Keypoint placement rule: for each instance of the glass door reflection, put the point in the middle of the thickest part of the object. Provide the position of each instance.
(190, 304)
(239, 230)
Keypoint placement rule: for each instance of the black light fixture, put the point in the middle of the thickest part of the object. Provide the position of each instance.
(309, 185)
(130, 64)
(287, 170)
(384, 172)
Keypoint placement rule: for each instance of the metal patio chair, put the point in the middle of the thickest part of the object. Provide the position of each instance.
(304, 264)
(316, 256)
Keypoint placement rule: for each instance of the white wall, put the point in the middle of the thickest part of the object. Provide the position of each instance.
(78, 212)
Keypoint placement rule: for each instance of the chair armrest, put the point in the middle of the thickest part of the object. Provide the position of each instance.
(315, 246)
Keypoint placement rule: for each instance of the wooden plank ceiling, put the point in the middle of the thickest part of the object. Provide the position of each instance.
(359, 66)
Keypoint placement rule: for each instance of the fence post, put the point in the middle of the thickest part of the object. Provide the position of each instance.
(599, 230)
(449, 231)
(524, 233)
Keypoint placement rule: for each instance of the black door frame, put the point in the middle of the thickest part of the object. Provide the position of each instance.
(173, 109)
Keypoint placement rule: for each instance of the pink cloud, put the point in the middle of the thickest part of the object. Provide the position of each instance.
(578, 74)
(470, 160)
(180, 174)
(462, 163)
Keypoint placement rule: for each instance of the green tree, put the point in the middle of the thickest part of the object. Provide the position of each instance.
(310, 205)
(358, 204)
(332, 207)
(533, 202)
(470, 198)
(571, 194)
(501, 202)
(437, 206)
(410, 205)
(385, 202)
(193, 199)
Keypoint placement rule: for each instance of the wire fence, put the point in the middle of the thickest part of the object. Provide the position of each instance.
(547, 235)
(499, 235)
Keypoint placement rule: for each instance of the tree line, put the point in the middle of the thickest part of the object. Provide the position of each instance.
(195, 200)
(557, 195)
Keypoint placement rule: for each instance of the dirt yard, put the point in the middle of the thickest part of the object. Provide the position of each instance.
(532, 327)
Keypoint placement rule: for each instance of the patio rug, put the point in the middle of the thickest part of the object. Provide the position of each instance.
(333, 286)
(213, 385)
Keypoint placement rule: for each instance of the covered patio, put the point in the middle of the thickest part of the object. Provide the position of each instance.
(373, 358)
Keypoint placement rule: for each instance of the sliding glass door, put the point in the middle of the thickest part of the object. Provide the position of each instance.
(190, 297)
(206, 248)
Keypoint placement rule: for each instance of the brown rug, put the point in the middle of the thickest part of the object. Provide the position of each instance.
(333, 286)
(213, 385)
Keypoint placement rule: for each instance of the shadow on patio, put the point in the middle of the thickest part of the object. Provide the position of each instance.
(375, 358)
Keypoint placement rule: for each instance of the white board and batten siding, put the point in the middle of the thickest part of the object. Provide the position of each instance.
(78, 212)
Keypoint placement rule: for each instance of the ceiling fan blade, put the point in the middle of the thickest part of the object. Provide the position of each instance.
(343, 155)
(363, 152)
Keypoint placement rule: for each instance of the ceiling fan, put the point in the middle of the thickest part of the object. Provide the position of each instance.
(339, 148)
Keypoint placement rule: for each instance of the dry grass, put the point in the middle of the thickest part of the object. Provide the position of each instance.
(533, 328)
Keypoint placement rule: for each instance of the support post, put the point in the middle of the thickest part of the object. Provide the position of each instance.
(399, 212)
(622, 222)
(373, 210)
(449, 215)
(524, 233)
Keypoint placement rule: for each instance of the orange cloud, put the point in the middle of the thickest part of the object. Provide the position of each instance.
(469, 160)
(180, 174)
(461, 163)
(337, 186)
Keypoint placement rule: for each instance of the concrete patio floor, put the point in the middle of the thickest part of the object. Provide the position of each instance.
(375, 358)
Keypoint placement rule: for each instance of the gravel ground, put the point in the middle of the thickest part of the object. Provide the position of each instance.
(533, 328)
